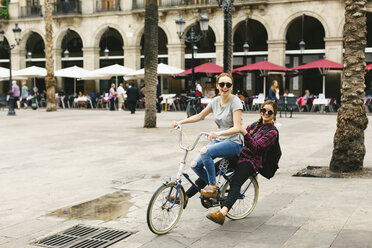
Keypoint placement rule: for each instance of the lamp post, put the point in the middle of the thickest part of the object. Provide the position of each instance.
(302, 43)
(29, 57)
(106, 52)
(17, 37)
(192, 38)
(226, 6)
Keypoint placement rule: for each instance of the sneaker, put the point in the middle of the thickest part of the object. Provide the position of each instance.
(216, 217)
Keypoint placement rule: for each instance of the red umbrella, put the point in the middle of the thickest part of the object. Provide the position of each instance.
(323, 65)
(368, 67)
(263, 67)
(319, 64)
(204, 68)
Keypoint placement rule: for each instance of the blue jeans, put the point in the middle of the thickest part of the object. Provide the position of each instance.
(215, 149)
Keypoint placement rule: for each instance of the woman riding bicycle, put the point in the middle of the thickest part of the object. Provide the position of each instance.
(257, 142)
(227, 141)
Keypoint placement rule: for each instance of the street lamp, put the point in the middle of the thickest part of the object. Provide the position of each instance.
(29, 57)
(17, 37)
(226, 6)
(192, 38)
(302, 43)
(106, 52)
(66, 53)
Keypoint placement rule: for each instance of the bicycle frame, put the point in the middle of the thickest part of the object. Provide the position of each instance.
(180, 172)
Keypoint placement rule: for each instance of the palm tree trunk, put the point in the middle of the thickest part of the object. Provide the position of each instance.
(151, 61)
(228, 48)
(349, 150)
(50, 82)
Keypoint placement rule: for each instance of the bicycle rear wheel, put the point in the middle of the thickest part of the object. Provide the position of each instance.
(163, 213)
(245, 203)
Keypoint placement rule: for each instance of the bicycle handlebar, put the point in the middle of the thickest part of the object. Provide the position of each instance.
(190, 148)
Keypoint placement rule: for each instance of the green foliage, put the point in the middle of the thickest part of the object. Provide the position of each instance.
(4, 5)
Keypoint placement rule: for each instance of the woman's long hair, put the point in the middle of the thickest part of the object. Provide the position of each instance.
(259, 122)
(273, 87)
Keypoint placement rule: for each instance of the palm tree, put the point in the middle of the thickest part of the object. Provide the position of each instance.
(226, 6)
(348, 144)
(50, 82)
(151, 61)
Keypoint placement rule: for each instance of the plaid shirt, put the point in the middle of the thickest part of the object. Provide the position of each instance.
(256, 145)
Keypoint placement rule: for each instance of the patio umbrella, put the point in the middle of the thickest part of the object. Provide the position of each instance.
(76, 72)
(4, 73)
(204, 68)
(163, 69)
(114, 71)
(31, 72)
(368, 67)
(323, 65)
(264, 67)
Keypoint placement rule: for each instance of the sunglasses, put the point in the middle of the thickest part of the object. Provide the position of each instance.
(269, 112)
(228, 85)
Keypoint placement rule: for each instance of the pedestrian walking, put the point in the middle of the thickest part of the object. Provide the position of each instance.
(24, 94)
(16, 93)
(120, 95)
(132, 97)
(112, 97)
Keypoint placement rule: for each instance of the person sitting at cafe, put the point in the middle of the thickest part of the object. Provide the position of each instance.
(303, 99)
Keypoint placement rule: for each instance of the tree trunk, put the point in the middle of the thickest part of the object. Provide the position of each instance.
(151, 61)
(228, 48)
(50, 82)
(349, 150)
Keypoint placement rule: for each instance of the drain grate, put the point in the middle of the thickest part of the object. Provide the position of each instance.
(84, 236)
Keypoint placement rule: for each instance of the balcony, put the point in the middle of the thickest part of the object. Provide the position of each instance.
(30, 11)
(68, 7)
(140, 4)
(107, 5)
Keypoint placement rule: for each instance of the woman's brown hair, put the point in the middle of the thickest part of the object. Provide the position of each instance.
(259, 122)
(225, 75)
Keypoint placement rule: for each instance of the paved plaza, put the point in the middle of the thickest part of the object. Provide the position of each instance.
(53, 161)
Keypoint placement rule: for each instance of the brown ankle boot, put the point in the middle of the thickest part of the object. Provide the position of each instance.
(171, 199)
(217, 217)
(210, 191)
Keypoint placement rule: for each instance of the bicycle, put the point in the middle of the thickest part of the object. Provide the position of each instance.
(193, 106)
(163, 214)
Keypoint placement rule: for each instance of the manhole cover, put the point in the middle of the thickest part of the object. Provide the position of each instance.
(84, 236)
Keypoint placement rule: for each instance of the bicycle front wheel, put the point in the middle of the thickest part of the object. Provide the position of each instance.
(247, 200)
(165, 208)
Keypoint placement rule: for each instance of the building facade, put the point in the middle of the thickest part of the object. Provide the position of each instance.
(83, 29)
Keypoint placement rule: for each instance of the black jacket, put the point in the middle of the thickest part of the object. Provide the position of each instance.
(132, 94)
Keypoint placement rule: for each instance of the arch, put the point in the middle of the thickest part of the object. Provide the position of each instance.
(61, 34)
(141, 31)
(114, 42)
(162, 46)
(25, 35)
(287, 23)
(97, 35)
(36, 45)
(71, 42)
(211, 27)
(255, 18)
(313, 34)
(257, 36)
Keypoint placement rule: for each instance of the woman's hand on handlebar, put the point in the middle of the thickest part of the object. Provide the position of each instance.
(175, 124)
(213, 135)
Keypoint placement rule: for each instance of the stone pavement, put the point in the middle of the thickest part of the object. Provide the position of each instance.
(54, 160)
